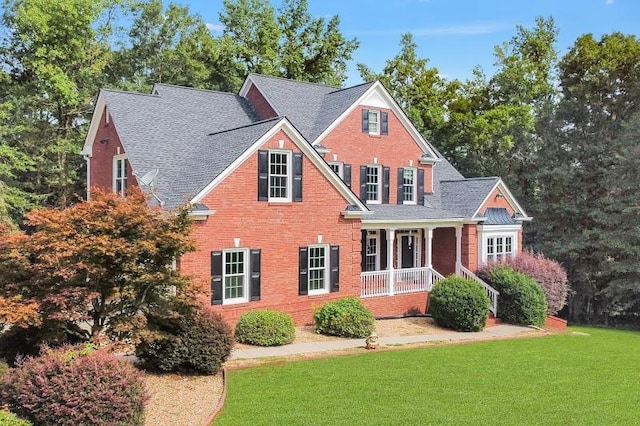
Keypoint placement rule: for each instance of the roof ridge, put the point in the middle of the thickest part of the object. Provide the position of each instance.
(296, 81)
(350, 87)
(197, 89)
(246, 125)
(474, 178)
(127, 92)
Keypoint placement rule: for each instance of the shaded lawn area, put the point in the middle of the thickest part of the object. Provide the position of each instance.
(568, 379)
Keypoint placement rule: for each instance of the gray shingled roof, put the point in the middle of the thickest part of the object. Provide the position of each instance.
(169, 131)
(310, 107)
(409, 213)
(498, 216)
(465, 196)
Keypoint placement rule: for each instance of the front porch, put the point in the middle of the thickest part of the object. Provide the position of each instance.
(399, 261)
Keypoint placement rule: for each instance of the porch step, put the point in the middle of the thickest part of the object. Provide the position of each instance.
(491, 320)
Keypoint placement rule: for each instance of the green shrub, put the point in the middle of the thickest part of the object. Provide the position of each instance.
(521, 299)
(346, 317)
(265, 328)
(196, 342)
(460, 304)
(10, 419)
(75, 386)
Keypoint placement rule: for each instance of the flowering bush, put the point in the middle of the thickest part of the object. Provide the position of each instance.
(548, 273)
(75, 386)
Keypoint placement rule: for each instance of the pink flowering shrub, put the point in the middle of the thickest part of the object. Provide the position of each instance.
(548, 273)
(75, 386)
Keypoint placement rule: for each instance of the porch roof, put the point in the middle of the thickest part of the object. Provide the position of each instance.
(417, 213)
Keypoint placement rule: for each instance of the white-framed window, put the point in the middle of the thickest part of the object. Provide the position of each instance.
(409, 185)
(374, 122)
(338, 168)
(120, 174)
(374, 184)
(318, 269)
(279, 175)
(498, 242)
(235, 276)
(372, 251)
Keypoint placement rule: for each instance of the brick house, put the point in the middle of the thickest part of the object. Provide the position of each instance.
(303, 193)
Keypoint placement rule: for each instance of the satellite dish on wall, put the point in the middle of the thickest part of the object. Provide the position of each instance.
(149, 178)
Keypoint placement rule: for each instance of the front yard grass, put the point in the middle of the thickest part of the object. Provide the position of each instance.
(565, 379)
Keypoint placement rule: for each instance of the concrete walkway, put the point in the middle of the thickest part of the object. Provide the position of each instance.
(496, 331)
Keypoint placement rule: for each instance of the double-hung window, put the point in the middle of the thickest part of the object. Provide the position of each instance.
(318, 271)
(279, 175)
(373, 184)
(374, 122)
(338, 168)
(120, 174)
(409, 185)
(371, 262)
(235, 275)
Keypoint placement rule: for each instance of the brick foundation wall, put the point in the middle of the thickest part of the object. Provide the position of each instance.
(398, 305)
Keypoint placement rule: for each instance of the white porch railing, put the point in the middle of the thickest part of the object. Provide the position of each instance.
(491, 292)
(408, 280)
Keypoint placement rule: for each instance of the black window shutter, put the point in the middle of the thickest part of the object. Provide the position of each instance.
(364, 251)
(335, 269)
(263, 175)
(365, 121)
(254, 291)
(216, 277)
(420, 200)
(385, 185)
(346, 172)
(297, 176)
(303, 278)
(400, 185)
(384, 123)
(383, 249)
(363, 183)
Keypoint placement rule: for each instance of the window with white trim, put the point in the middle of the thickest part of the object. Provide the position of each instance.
(373, 184)
(338, 168)
(318, 269)
(409, 185)
(498, 242)
(235, 275)
(279, 175)
(371, 259)
(120, 174)
(374, 122)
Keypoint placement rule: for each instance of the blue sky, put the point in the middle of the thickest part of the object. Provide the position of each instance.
(455, 35)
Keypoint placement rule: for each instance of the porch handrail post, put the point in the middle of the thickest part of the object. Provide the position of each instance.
(391, 235)
(458, 249)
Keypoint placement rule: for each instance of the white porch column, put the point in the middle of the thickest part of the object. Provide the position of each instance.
(391, 236)
(428, 243)
(458, 249)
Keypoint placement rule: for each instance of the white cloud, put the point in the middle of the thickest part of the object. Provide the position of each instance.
(216, 28)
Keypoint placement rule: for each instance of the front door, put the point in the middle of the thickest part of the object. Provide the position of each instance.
(407, 251)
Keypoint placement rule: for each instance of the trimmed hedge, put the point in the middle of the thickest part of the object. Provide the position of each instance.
(76, 386)
(460, 304)
(346, 317)
(265, 328)
(10, 419)
(196, 342)
(521, 300)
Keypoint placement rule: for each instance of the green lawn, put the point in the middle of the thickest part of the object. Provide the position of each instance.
(569, 379)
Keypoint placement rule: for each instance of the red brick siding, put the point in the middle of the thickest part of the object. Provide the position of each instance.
(497, 199)
(278, 230)
(101, 173)
(470, 247)
(398, 305)
(260, 104)
(444, 250)
(352, 146)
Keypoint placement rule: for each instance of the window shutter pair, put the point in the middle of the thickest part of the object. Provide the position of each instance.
(303, 272)
(384, 122)
(216, 276)
(263, 176)
(384, 187)
(419, 186)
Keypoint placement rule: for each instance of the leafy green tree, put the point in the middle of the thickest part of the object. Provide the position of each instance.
(583, 169)
(106, 262)
(55, 54)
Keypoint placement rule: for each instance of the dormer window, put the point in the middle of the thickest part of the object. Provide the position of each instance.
(375, 122)
(120, 174)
